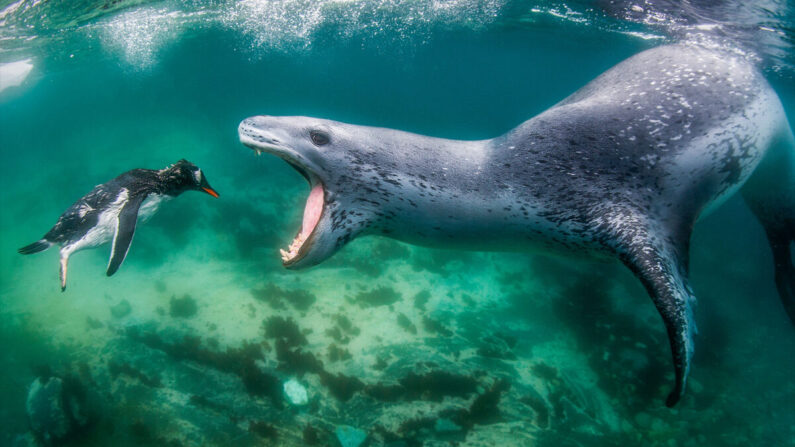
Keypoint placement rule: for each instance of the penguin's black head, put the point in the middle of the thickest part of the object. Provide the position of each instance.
(184, 175)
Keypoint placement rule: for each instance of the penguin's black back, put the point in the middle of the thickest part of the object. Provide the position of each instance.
(84, 214)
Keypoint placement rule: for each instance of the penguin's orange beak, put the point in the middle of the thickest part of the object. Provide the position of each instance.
(205, 186)
(210, 191)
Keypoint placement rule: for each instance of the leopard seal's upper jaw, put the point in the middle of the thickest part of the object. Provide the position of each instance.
(623, 167)
(272, 140)
(313, 242)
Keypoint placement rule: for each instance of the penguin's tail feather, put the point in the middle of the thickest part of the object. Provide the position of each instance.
(35, 247)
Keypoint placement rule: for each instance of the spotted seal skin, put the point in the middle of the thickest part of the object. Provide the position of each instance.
(624, 167)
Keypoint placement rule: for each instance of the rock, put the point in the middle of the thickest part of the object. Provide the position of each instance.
(380, 296)
(659, 425)
(121, 310)
(444, 425)
(496, 347)
(633, 359)
(25, 440)
(55, 409)
(295, 392)
(46, 412)
(643, 420)
(184, 307)
(350, 436)
(626, 426)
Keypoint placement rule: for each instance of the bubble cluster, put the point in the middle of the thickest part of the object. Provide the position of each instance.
(139, 30)
(138, 35)
(291, 24)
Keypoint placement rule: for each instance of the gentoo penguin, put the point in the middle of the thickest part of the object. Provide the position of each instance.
(111, 210)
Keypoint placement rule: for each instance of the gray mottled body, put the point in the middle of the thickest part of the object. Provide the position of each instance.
(623, 167)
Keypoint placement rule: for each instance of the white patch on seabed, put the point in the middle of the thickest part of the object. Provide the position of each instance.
(13, 74)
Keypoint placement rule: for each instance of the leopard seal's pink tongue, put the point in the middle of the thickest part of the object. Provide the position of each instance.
(312, 210)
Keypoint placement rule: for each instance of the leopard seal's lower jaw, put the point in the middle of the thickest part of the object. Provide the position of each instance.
(623, 167)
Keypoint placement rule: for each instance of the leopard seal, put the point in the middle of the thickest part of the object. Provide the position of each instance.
(624, 167)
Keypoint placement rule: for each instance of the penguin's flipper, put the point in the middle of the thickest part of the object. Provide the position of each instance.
(125, 229)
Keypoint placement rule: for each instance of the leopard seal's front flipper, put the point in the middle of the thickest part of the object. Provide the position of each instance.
(624, 167)
(658, 258)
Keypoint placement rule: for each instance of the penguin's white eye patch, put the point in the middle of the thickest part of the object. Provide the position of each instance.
(197, 174)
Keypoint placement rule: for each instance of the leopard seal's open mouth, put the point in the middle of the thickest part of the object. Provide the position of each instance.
(262, 141)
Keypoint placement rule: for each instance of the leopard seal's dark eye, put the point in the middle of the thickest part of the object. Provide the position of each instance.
(319, 138)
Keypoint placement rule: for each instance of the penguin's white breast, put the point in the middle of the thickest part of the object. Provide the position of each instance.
(150, 205)
(105, 228)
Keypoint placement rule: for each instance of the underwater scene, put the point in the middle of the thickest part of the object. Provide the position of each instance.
(208, 335)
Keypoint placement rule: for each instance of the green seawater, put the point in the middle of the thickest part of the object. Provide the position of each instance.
(191, 341)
